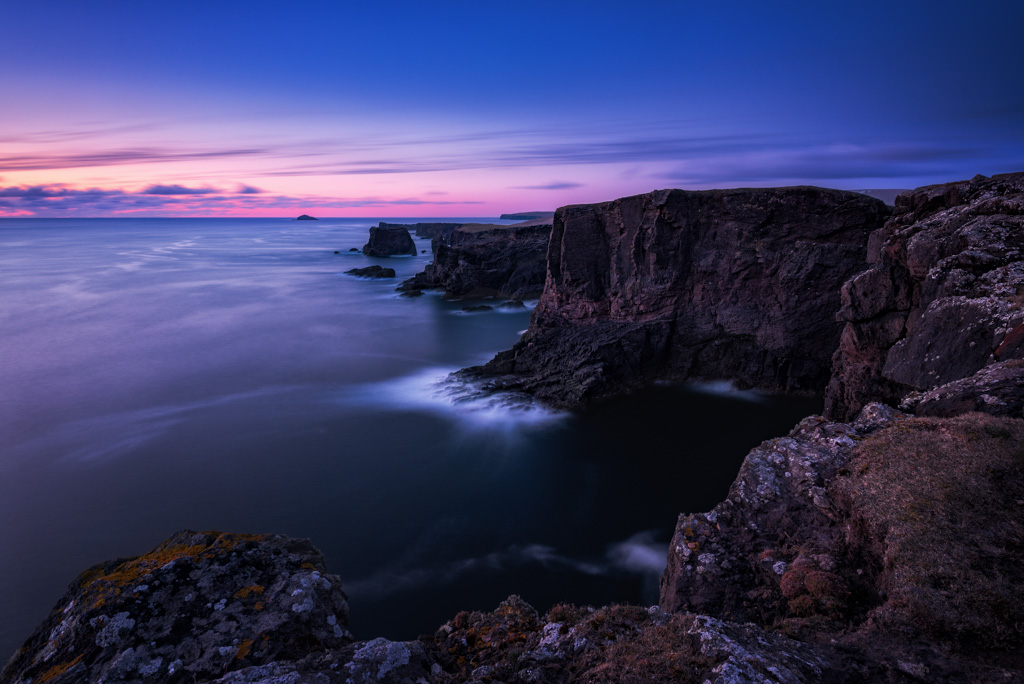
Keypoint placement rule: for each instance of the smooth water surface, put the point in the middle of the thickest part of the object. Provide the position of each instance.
(160, 374)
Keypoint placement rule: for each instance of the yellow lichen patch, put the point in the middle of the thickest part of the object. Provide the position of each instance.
(130, 571)
(308, 566)
(228, 541)
(251, 590)
(244, 648)
(58, 670)
(258, 605)
(100, 585)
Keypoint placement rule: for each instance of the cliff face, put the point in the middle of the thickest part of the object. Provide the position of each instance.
(740, 284)
(942, 298)
(479, 260)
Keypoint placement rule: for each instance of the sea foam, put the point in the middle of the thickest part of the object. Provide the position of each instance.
(438, 390)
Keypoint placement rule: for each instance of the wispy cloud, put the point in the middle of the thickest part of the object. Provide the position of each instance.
(174, 200)
(177, 190)
(118, 157)
(557, 185)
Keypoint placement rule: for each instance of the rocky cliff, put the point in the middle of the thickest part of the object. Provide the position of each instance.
(942, 298)
(483, 260)
(894, 537)
(739, 284)
(389, 240)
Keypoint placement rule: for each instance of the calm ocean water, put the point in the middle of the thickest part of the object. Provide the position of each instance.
(160, 374)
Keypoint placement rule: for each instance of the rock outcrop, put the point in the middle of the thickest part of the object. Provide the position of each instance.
(893, 536)
(738, 284)
(943, 297)
(307, 217)
(374, 271)
(389, 240)
(194, 608)
(484, 260)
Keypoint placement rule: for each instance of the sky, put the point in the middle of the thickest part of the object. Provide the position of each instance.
(128, 108)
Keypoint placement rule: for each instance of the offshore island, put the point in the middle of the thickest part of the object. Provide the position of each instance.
(881, 541)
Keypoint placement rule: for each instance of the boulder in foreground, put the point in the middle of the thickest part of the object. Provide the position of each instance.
(197, 606)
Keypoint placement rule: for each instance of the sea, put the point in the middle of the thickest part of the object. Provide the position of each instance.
(226, 374)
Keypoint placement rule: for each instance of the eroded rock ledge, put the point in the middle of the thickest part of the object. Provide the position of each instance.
(483, 260)
(942, 298)
(740, 284)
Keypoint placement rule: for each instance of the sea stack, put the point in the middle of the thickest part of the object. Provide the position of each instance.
(389, 240)
(307, 217)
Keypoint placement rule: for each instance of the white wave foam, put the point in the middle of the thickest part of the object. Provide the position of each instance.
(436, 390)
(640, 553)
(637, 555)
(724, 388)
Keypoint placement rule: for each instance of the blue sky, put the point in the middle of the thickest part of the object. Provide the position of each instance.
(471, 108)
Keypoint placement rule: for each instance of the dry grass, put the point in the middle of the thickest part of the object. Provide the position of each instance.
(941, 502)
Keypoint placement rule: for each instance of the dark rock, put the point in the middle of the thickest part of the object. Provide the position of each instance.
(997, 389)
(388, 241)
(512, 304)
(372, 272)
(477, 307)
(335, 251)
(481, 260)
(353, 249)
(195, 607)
(740, 284)
(307, 217)
(942, 297)
(412, 293)
(379, 660)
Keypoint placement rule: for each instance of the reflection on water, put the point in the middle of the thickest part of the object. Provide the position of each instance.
(225, 374)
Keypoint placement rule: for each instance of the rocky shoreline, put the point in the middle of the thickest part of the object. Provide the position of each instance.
(884, 542)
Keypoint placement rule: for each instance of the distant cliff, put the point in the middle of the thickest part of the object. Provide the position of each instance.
(739, 284)
(427, 230)
(527, 216)
(485, 260)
